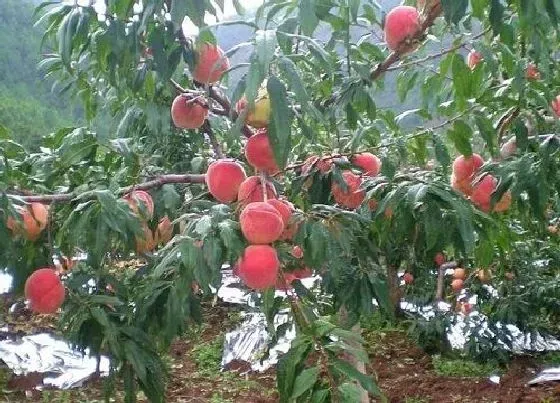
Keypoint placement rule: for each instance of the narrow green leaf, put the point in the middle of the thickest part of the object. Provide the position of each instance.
(279, 129)
(305, 381)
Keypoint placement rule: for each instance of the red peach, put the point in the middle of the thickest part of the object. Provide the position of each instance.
(353, 196)
(259, 152)
(439, 259)
(146, 241)
(188, 113)
(408, 278)
(401, 23)
(258, 267)
(34, 219)
(251, 190)
(44, 291)
(457, 285)
(297, 252)
(164, 231)
(224, 178)
(146, 201)
(369, 163)
(509, 148)
(555, 105)
(322, 164)
(286, 210)
(466, 167)
(261, 223)
(473, 59)
(211, 64)
(532, 72)
(459, 273)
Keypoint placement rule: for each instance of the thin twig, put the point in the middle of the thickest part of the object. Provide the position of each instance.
(90, 194)
(437, 55)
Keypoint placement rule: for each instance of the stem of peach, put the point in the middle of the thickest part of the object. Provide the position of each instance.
(263, 184)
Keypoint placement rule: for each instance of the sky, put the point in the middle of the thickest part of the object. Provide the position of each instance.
(189, 28)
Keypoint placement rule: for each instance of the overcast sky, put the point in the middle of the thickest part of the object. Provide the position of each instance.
(189, 27)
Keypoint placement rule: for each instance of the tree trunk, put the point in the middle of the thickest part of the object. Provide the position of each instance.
(360, 366)
(395, 293)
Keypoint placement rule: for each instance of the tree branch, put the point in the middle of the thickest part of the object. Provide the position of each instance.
(437, 55)
(90, 194)
(206, 128)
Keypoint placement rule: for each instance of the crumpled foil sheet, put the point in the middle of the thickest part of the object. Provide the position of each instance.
(44, 353)
(547, 375)
(248, 341)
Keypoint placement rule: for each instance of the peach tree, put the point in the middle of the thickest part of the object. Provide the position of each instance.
(376, 146)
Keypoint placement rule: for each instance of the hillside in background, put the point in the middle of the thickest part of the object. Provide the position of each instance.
(28, 108)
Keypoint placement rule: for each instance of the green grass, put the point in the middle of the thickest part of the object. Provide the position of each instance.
(462, 368)
(208, 356)
(550, 358)
(415, 400)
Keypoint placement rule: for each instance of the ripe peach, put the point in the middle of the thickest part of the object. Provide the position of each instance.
(323, 164)
(146, 242)
(510, 276)
(297, 252)
(223, 179)
(484, 275)
(457, 284)
(286, 210)
(408, 278)
(251, 190)
(553, 229)
(259, 152)
(369, 163)
(259, 115)
(466, 167)
(439, 259)
(464, 186)
(284, 282)
(482, 192)
(261, 223)
(164, 231)
(532, 72)
(353, 196)
(34, 219)
(463, 307)
(509, 148)
(258, 267)
(504, 203)
(188, 113)
(147, 209)
(401, 23)
(211, 64)
(459, 273)
(555, 105)
(44, 291)
(306, 272)
(473, 59)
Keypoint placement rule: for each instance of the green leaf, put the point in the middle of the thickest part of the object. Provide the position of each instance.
(265, 42)
(279, 130)
(461, 135)
(454, 10)
(305, 381)
(352, 373)
(179, 10)
(307, 17)
(496, 15)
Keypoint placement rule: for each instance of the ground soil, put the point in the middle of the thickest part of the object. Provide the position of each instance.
(404, 372)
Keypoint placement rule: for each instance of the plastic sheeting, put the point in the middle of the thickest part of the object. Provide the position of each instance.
(43, 353)
(248, 341)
